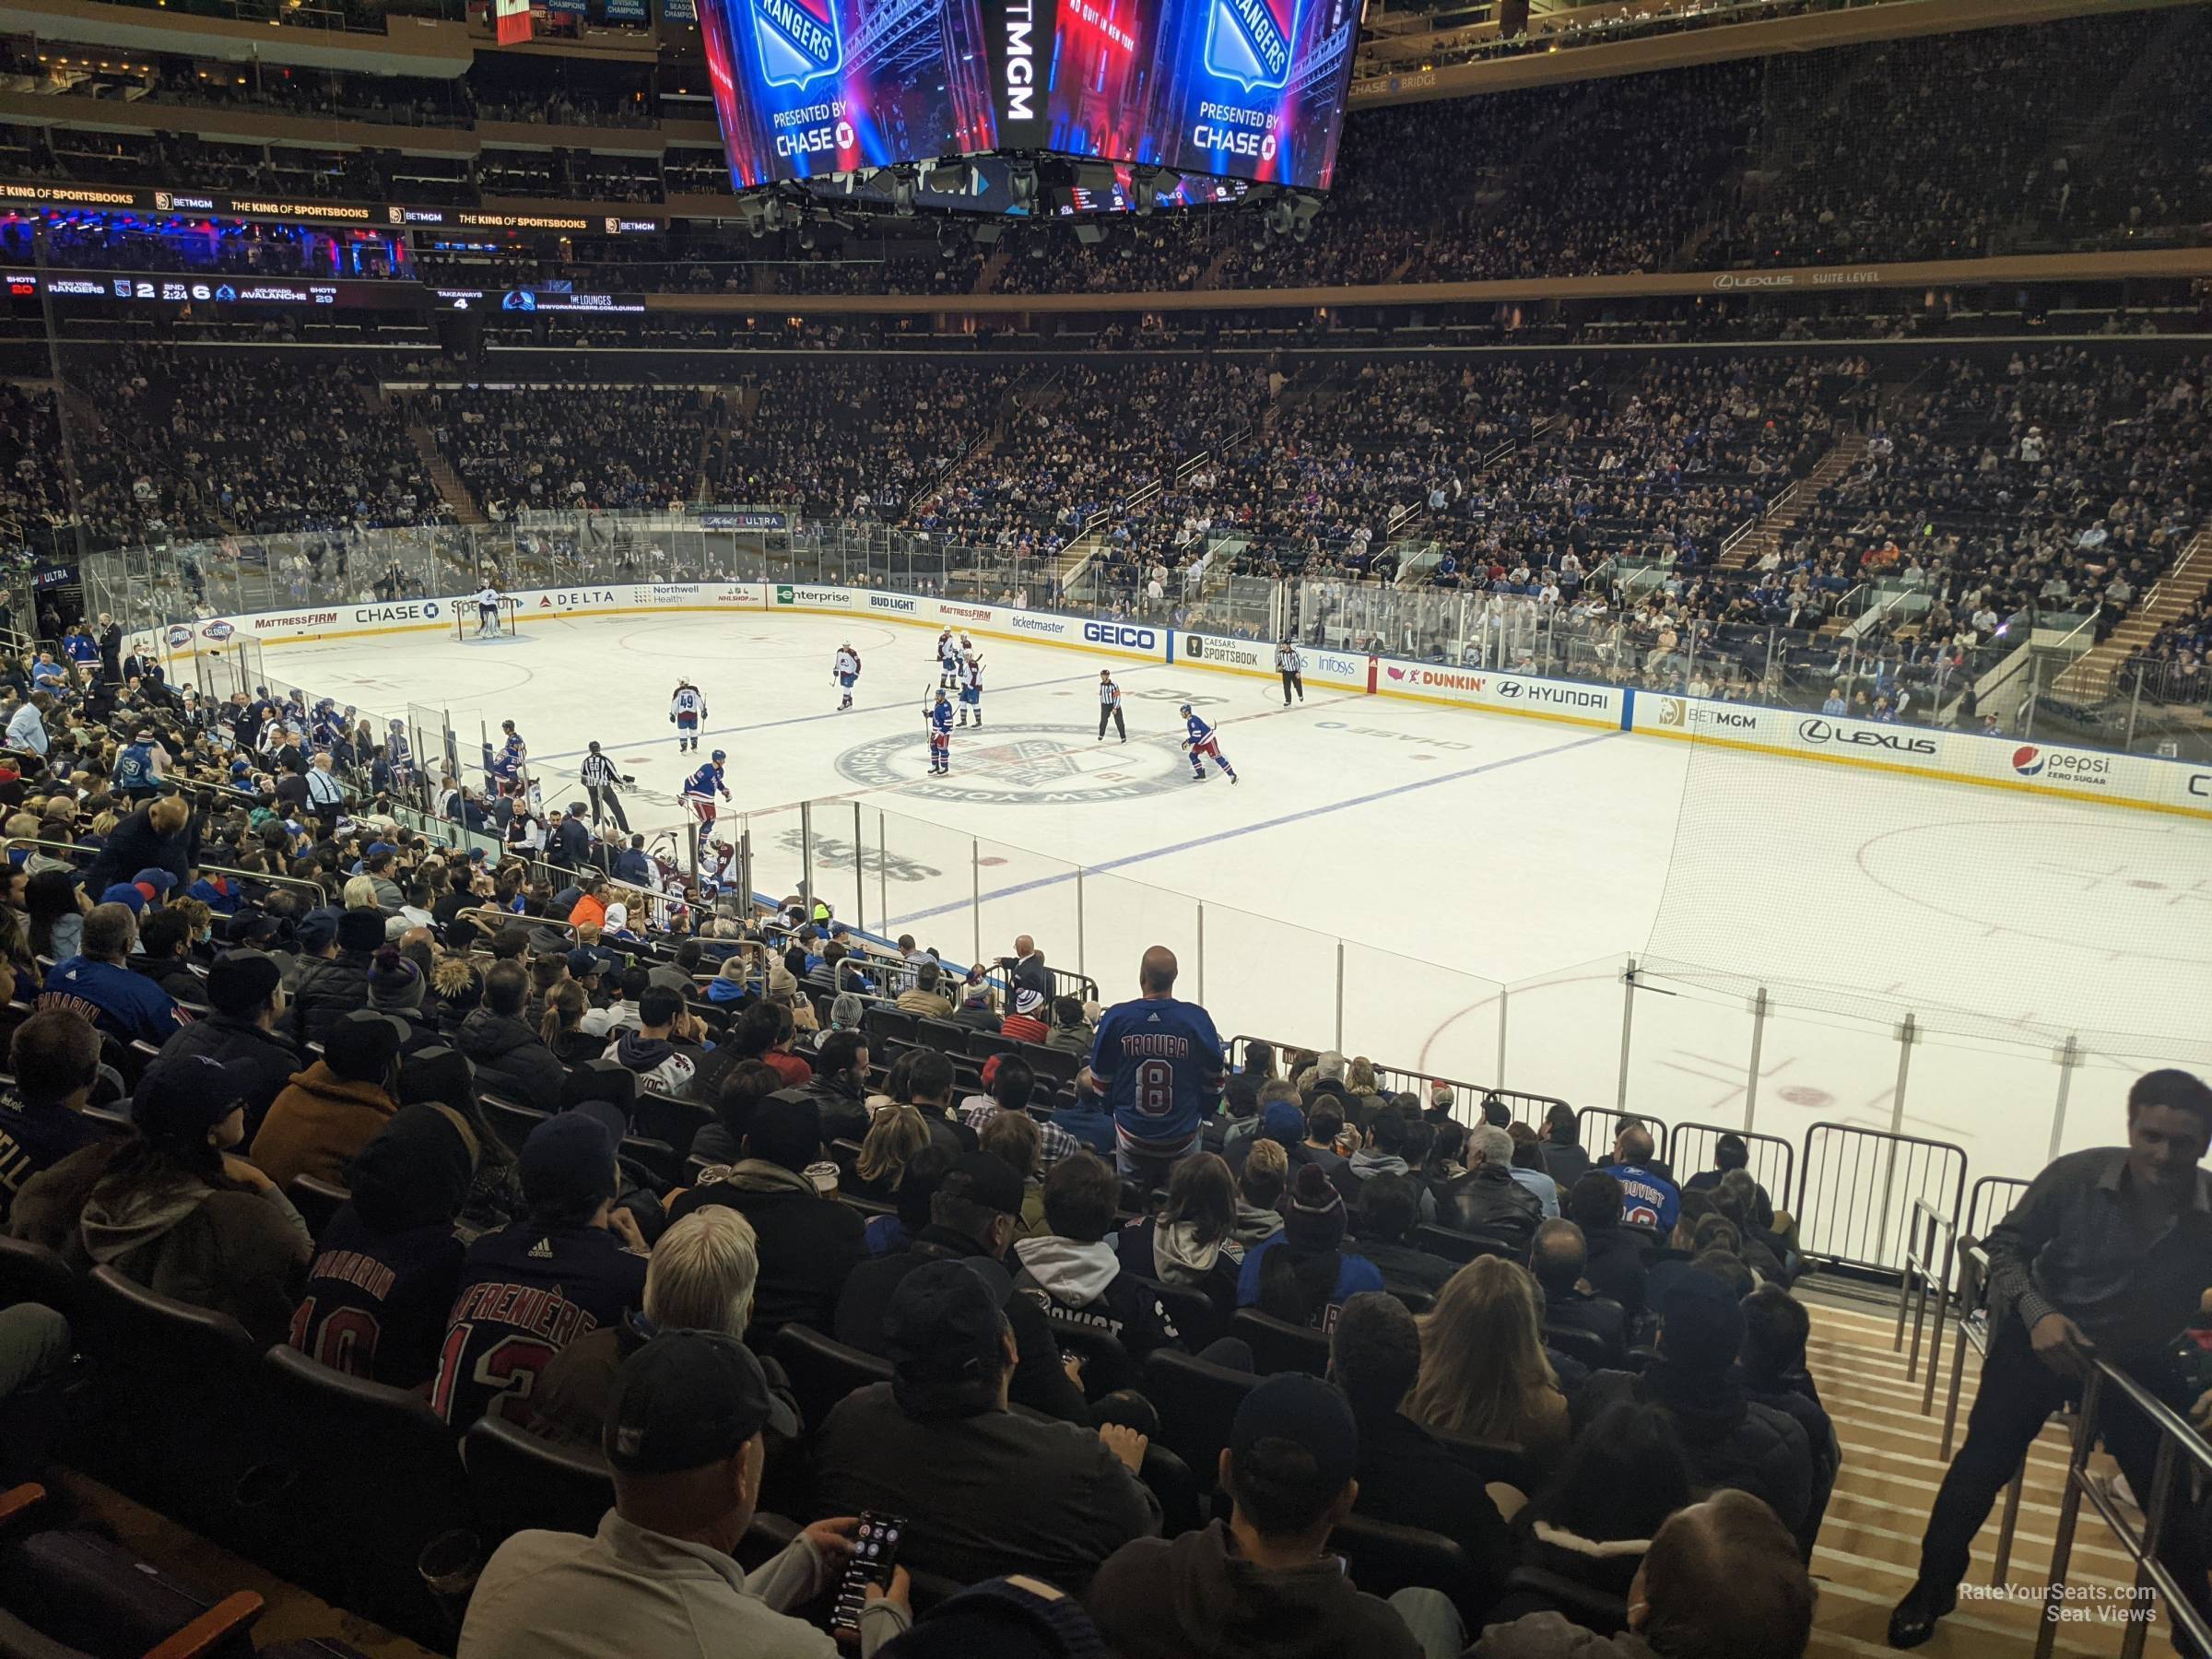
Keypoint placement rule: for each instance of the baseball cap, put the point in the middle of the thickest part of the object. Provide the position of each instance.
(374, 847)
(683, 1401)
(583, 962)
(946, 1318)
(566, 1159)
(125, 892)
(1291, 1405)
(238, 982)
(318, 930)
(986, 1179)
(160, 881)
(1283, 1121)
(183, 1096)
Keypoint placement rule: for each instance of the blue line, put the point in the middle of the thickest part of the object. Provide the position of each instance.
(1273, 823)
(766, 725)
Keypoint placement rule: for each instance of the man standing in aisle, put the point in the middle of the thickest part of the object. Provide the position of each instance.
(2103, 1259)
(599, 780)
(325, 795)
(1110, 707)
(1159, 1063)
(1292, 667)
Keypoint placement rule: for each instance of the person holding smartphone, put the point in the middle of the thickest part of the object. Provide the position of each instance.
(658, 1581)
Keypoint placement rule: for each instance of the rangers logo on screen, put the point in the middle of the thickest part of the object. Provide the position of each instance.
(1249, 42)
(798, 39)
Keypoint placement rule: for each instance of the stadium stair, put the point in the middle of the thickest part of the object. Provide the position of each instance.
(1752, 545)
(1869, 1545)
(454, 493)
(2096, 673)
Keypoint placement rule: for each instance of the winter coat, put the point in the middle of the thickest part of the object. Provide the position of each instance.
(234, 1250)
(1159, 1598)
(510, 1061)
(330, 988)
(317, 1125)
(807, 1244)
(1490, 1201)
(1729, 1439)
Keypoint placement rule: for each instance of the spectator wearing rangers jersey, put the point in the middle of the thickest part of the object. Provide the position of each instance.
(1075, 1270)
(686, 710)
(1110, 707)
(386, 1266)
(1157, 1062)
(845, 670)
(1291, 667)
(599, 778)
(572, 1265)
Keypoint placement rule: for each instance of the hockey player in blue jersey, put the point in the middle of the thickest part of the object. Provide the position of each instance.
(971, 688)
(938, 718)
(702, 786)
(506, 759)
(1202, 743)
(845, 670)
(686, 709)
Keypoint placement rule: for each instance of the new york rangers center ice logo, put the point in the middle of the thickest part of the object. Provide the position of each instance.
(799, 42)
(1249, 42)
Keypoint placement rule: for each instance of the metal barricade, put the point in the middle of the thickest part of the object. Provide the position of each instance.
(1771, 1161)
(2182, 1454)
(1858, 1187)
(1990, 1200)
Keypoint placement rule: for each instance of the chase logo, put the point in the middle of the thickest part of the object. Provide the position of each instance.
(2027, 760)
(799, 40)
(1249, 42)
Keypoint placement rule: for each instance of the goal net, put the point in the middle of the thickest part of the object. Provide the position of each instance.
(470, 621)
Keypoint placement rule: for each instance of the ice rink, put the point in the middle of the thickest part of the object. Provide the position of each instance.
(1486, 877)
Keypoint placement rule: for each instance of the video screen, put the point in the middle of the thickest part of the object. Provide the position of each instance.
(1240, 89)
(808, 88)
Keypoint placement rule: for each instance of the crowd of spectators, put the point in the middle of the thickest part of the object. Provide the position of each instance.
(710, 1194)
(196, 445)
(600, 448)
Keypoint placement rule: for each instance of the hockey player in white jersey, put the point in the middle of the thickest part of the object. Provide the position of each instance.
(971, 688)
(949, 662)
(686, 710)
(845, 670)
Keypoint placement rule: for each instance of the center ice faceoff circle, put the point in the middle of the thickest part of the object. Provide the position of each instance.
(1021, 765)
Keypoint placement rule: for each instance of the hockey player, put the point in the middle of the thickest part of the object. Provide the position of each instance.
(488, 613)
(507, 758)
(702, 786)
(1202, 742)
(846, 670)
(1289, 663)
(948, 662)
(937, 717)
(1110, 707)
(971, 688)
(686, 709)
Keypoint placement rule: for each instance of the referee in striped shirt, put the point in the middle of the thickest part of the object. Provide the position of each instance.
(599, 780)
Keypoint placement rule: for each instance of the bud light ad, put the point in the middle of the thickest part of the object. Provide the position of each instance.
(803, 88)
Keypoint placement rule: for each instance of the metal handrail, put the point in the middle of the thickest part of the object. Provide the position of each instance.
(1926, 1228)
(88, 854)
(2178, 1441)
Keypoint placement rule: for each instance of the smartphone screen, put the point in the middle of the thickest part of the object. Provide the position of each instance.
(875, 1552)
